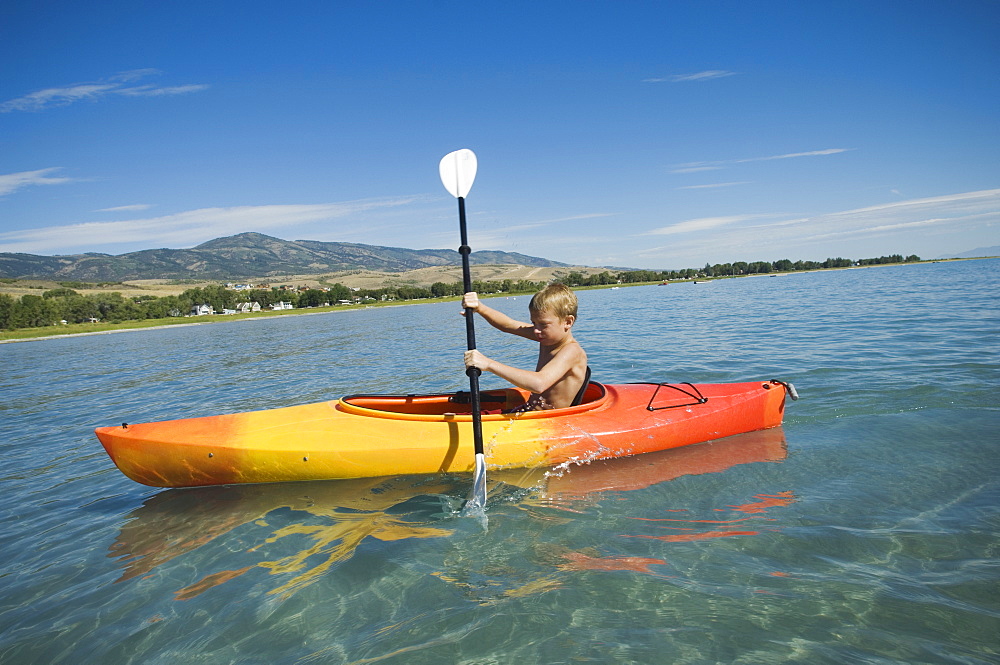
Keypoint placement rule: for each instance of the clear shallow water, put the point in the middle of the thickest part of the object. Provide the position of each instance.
(864, 530)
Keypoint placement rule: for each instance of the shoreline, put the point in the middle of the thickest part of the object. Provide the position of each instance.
(128, 326)
(216, 319)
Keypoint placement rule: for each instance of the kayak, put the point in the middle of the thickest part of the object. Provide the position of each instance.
(363, 436)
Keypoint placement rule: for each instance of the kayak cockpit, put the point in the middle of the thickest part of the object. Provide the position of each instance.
(457, 406)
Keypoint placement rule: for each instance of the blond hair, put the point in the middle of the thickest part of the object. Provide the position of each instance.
(555, 298)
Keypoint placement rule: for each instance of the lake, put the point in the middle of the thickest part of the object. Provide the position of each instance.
(865, 529)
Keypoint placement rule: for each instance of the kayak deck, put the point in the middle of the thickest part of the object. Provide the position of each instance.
(378, 435)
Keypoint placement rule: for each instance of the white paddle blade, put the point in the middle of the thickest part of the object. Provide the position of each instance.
(458, 170)
(476, 503)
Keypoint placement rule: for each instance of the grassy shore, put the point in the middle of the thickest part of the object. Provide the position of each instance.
(64, 330)
(69, 329)
(50, 332)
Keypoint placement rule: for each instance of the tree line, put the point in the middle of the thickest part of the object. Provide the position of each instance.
(66, 304)
(727, 270)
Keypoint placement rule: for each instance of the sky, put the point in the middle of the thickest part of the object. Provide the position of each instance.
(619, 133)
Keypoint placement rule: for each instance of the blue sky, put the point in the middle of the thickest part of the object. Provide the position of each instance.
(639, 134)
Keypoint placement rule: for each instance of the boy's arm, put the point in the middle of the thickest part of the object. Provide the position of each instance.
(498, 320)
(536, 382)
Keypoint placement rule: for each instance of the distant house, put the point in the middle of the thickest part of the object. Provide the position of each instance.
(282, 305)
(201, 310)
(247, 307)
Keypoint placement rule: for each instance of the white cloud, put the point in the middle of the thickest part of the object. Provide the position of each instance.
(119, 84)
(14, 181)
(135, 74)
(185, 229)
(153, 91)
(128, 208)
(698, 76)
(695, 167)
(917, 225)
(792, 155)
(592, 215)
(716, 185)
(701, 224)
(962, 201)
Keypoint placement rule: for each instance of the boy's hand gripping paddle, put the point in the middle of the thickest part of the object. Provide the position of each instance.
(458, 170)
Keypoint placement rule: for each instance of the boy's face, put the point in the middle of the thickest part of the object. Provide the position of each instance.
(549, 328)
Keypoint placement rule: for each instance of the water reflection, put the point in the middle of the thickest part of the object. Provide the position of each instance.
(736, 520)
(640, 471)
(300, 530)
(681, 530)
(578, 484)
(333, 517)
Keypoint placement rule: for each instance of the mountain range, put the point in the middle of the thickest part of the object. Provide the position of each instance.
(976, 253)
(243, 256)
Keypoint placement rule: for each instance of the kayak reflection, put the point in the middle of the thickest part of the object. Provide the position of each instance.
(335, 517)
(570, 481)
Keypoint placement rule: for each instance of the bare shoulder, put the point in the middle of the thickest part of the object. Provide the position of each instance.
(574, 355)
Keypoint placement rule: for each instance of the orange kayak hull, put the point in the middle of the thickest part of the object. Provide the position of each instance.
(370, 436)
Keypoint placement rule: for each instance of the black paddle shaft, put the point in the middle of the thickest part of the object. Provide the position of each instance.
(470, 331)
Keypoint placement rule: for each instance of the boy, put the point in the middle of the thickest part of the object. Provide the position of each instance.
(562, 362)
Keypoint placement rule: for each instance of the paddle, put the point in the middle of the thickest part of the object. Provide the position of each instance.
(458, 170)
